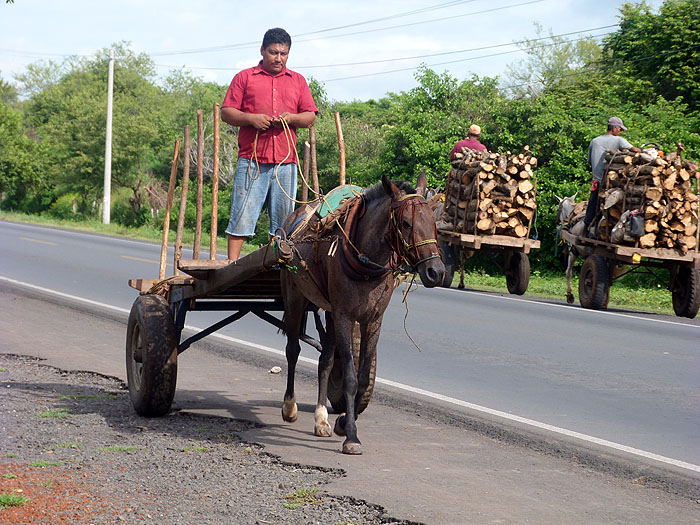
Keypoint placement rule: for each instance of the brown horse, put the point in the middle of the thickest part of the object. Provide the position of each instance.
(348, 272)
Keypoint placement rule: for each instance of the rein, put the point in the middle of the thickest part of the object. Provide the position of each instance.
(358, 266)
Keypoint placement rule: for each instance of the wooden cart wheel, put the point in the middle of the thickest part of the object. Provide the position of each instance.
(686, 292)
(517, 273)
(151, 356)
(335, 381)
(448, 255)
(594, 283)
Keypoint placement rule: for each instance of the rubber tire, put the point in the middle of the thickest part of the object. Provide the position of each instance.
(335, 380)
(518, 273)
(594, 283)
(686, 292)
(151, 333)
(447, 253)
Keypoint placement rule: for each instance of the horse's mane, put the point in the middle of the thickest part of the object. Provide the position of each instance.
(377, 191)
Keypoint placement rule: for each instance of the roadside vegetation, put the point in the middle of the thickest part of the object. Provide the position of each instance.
(555, 101)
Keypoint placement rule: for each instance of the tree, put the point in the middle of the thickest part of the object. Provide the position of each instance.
(657, 50)
(550, 61)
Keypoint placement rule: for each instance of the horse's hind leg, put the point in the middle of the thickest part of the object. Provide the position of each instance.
(294, 306)
(346, 423)
(325, 364)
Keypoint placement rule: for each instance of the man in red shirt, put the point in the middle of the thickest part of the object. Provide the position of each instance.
(258, 100)
(471, 142)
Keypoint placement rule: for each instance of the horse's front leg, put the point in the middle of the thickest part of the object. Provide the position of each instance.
(325, 364)
(345, 424)
(569, 270)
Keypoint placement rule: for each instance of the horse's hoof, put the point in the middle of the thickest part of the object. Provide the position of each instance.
(339, 427)
(289, 414)
(352, 448)
(323, 430)
(570, 298)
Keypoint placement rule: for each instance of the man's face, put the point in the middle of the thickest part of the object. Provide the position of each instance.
(616, 131)
(274, 57)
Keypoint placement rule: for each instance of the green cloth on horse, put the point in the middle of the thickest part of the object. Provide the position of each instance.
(337, 195)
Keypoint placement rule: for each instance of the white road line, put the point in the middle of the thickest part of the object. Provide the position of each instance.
(408, 388)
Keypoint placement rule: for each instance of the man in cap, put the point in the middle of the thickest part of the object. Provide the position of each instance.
(471, 142)
(611, 141)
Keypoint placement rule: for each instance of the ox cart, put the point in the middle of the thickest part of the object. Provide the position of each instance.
(512, 251)
(604, 262)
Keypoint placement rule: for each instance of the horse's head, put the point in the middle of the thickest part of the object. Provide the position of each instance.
(412, 231)
(566, 208)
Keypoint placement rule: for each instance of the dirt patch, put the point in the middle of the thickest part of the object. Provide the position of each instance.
(72, 445)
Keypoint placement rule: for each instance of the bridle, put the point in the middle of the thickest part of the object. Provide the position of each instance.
(404, 248)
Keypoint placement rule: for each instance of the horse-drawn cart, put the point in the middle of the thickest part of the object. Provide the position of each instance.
(456, 246)
(606, 262)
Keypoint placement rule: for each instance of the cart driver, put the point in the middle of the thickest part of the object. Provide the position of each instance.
(471, 142)
(611, 141)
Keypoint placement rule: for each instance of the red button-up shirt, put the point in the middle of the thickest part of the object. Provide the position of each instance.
(254, 90)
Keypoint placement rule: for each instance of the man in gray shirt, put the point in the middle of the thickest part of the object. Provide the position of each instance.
(611, 141)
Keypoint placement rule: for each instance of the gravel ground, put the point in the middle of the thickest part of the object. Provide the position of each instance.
(72, 444)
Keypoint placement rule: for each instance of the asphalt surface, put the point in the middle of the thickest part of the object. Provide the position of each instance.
(422, 461)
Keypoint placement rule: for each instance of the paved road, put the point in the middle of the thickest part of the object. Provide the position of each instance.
(623, 377)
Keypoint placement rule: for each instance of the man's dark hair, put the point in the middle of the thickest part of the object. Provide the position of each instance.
(276, 35)
(611, 127)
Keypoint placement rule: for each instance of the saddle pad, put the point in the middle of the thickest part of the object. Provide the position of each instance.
(334, 197)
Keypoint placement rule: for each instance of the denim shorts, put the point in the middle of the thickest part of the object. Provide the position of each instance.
(261, 187)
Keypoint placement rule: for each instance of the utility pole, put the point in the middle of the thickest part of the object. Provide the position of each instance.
(108, 143)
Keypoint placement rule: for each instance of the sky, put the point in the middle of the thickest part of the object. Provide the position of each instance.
(358, 50)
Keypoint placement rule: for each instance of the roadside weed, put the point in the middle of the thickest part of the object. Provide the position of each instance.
(68, 444)
(2, 369)
(10, 455)
(117, 448)
(56, 412)
(301, 497)
(43, 464)
(47, 484)
(197, 448)
(12, 499)
(88, 396)
(9, 475)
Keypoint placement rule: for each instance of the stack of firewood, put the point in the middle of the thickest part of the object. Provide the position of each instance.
(662, 190)
(490, 193)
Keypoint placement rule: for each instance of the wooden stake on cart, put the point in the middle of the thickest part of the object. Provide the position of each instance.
(200, 185)
(341, 148)
(215, 186)
(183, 200)
(305, 173)
(168, 205)
(314, 169)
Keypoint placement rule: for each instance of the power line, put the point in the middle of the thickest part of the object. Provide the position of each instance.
(252, 44)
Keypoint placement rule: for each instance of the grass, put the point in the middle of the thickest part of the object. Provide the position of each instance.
(3, 369)
(42, 464)
(88, 396)
(12, 499)
(10, 455)
(56, 413)
(68, 444)
(118, 448)
(9, 475)
(301, 497)
(634, 291)
(197, 448)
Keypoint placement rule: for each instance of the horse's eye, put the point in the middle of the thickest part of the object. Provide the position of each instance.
(406, 224)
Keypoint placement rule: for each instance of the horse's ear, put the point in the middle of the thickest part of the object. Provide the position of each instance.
(389, 187)
(422, 183)
(558, 198)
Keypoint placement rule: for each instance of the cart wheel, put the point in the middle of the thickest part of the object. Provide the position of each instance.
(686, 292)
(447, 253)
(517, 273)
(151, 356)
(594, 283)
(335, 380)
